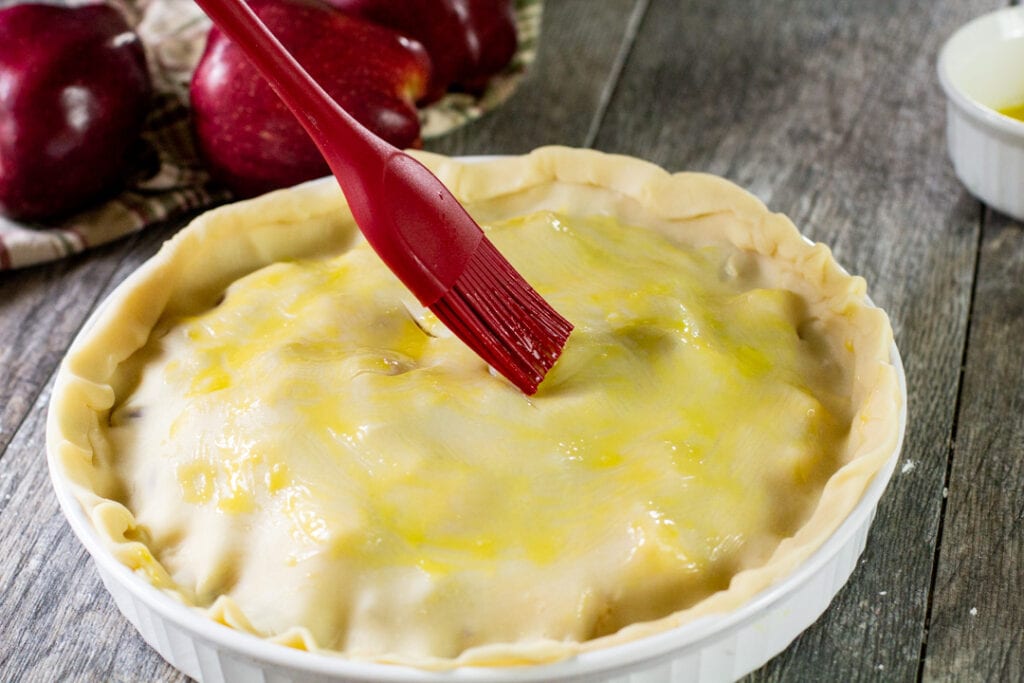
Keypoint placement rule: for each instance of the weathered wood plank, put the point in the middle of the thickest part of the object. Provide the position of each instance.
(567, 86)
(41, 309)
(59, 622)
(830, 113)
(977, 622)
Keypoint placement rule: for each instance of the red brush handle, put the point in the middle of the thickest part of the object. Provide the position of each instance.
(407, 215)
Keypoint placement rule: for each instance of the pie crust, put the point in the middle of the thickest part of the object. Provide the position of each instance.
(193, 270)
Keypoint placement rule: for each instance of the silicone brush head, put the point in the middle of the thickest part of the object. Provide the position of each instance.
(503, 319)
(434, 246)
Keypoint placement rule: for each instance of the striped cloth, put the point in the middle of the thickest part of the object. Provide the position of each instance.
(171, 180)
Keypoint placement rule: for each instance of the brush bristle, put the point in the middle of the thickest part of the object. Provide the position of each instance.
(503, 319)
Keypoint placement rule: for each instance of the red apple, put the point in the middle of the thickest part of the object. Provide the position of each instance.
(468, 40)
(252, 142)
(74, 91)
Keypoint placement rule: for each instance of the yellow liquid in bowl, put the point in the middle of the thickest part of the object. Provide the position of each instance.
(1014, 112)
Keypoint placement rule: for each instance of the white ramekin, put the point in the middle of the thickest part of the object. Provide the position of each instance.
(981, 69)
(713, 649)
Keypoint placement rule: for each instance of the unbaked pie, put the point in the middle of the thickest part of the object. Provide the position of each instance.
(267, 426)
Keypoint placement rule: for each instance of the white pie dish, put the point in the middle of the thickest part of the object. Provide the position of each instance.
(713, 648)
(979, 69)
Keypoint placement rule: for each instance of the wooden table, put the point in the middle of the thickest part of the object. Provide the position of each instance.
(831, 112)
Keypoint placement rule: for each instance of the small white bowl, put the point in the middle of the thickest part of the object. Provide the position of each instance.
(981, 69)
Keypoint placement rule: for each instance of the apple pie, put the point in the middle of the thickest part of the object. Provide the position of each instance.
(264, 424)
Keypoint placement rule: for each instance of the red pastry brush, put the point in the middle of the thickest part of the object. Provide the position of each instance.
(411, 219)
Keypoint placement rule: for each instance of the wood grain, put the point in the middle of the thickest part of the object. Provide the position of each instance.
(977, 621)
(565, 91)
(41, 309)
(60, 623)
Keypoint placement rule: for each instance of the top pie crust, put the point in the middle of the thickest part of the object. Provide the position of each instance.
(95, 387)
